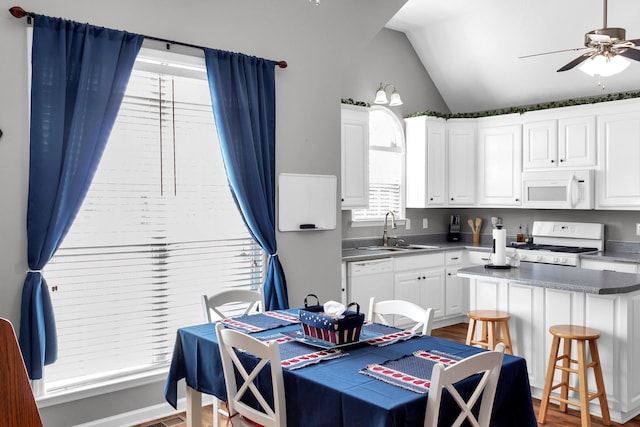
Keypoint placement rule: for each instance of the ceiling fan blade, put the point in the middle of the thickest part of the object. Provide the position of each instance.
(635, 41)
(553, 51)
(575, 62)
(631, 54)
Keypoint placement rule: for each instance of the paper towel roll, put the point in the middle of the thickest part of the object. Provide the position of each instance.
(500, 246)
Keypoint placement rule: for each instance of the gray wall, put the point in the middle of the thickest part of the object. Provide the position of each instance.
(327, 48)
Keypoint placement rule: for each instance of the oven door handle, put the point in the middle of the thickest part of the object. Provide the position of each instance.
(573, 183)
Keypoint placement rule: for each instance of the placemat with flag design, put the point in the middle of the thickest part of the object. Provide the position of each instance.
(412, 372)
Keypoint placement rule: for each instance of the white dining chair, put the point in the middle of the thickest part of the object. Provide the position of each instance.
(240, 414)
(233, 302)
(488, 365)
(222, 305)
(378, 310)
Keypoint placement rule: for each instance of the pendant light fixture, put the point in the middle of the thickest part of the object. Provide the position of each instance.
(381, 96)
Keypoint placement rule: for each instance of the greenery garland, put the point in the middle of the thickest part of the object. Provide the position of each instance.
(350, 101)
(524, 109)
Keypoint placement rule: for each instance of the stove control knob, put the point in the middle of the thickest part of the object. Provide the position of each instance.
(556, 260)
(539, 258)
(523, 257)
(563, 260)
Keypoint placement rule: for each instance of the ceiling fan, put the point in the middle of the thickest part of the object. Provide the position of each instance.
(602, 46)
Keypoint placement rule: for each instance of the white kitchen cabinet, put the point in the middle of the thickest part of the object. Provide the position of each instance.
(577, 141)
(456, 288)
(500, 163)
(568, 142)
(426, 162)
(431, 281)
(461, 162)
(540, 144)
(354, 156)
(618, 174)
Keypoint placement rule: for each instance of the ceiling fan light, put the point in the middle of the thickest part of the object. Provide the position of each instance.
(604, 66)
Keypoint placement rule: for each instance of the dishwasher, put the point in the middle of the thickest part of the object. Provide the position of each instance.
(366, 279)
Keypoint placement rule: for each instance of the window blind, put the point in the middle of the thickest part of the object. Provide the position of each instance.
(158, 228)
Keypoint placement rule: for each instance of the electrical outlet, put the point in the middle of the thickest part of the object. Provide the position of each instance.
(425, 222)
(637, 228)
(407, 224)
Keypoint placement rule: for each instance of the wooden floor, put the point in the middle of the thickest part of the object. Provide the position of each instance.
(555, 418)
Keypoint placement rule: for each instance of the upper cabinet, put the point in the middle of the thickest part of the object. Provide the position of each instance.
(618, 173)
(440, 162)
(499, 162)
(354, 156)
(462, 160)
(568, 142)
(426, 162)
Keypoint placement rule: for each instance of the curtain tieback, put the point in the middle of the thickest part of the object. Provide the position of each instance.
(33, 271)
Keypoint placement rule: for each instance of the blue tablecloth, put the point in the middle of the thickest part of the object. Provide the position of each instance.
(333, 393)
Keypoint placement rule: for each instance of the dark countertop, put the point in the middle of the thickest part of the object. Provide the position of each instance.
(561, 277)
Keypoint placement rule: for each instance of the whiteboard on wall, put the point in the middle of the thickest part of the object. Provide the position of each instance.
(307, 200)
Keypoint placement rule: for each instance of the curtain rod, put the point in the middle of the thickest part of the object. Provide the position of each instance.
(19, 12)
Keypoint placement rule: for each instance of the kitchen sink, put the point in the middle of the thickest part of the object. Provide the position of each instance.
(396, 248)
(410, 247)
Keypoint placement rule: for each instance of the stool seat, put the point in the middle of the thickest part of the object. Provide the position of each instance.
(494, 323)
(574, 332)
(583, 336)
(488, 315)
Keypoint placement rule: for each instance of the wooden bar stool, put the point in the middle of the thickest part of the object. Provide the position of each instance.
(493, 322)
(580, 334)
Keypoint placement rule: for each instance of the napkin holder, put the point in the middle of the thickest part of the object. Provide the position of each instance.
(320, 326)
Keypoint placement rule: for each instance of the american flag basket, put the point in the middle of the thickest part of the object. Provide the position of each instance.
(320, 326)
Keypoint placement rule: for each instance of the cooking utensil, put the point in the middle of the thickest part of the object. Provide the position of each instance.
(470, 222)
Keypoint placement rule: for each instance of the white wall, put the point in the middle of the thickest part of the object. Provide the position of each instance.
(318, 43)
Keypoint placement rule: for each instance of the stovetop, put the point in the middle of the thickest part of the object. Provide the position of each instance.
(553, 248)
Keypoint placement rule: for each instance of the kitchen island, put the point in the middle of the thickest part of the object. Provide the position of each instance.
(539, 295)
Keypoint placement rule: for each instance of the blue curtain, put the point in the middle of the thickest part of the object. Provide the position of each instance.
(243, 95)
(80, 73)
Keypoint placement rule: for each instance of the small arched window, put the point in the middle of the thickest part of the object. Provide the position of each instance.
(386, 166)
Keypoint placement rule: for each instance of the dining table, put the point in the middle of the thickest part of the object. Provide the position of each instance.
(339, 388)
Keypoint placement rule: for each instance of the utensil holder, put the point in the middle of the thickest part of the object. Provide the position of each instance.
(476, 238)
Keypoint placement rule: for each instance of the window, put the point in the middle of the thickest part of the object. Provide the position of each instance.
(386, 166)
(157, 229)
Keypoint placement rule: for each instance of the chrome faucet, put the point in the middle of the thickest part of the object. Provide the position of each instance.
(385, 235)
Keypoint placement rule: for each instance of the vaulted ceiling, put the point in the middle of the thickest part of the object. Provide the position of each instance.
(470, 48)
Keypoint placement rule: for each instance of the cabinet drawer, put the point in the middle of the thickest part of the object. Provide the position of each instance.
(622, 267)
(453, 258)
(419, 261)
(478, 258)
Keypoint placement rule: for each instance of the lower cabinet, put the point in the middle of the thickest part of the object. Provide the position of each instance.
(431, 281)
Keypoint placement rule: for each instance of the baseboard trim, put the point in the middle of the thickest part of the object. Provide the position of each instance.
(144, 415)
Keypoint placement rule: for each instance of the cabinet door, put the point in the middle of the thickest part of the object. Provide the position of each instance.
(432, 292)
(426, 164)
(618, 175)
(540, 144)
(577, 142)
(454, 292)
(500, 173)
(436, 165)
(355, 157)
(461, 153)
(407, 287)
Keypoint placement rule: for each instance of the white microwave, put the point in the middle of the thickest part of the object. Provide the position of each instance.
(558, 189)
